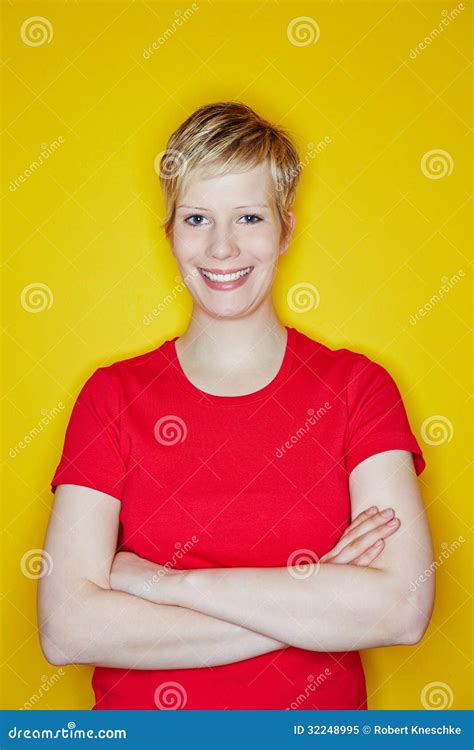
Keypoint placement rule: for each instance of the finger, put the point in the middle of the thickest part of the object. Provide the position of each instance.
(373, 522)
(362, 543)
(360, 518)
(367, 557)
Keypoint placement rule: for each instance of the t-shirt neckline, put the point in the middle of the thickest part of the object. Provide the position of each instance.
(245, 398)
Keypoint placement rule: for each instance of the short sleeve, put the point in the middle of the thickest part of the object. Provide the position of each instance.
(91, 454)
(377, 420)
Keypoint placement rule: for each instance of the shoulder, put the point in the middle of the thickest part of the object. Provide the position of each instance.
(111, 376)
(328, 358)
(350, 376)
(123, 367)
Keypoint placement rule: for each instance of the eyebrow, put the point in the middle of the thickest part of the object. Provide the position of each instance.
(200, 208)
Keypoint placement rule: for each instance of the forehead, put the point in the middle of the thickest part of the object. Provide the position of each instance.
(246, 187)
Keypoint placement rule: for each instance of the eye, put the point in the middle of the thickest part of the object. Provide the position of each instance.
(195, 223)
(254, 219)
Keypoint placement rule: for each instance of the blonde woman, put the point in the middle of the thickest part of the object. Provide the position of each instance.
(237, 511)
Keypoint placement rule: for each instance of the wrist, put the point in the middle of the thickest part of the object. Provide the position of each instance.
(174, 586)
(142, 578)
(195, 585)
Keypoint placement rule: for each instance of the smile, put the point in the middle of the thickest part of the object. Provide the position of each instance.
(225, 277)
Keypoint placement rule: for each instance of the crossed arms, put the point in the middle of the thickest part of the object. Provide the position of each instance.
(93, 607)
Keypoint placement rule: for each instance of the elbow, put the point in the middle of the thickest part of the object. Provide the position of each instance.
(413, 631)
(52, 628)
(415, 614)
(54, 648)
(64, 625)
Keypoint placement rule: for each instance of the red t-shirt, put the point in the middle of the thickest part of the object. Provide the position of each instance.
(256, 480)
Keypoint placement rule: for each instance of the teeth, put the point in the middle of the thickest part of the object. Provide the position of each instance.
(226, 276)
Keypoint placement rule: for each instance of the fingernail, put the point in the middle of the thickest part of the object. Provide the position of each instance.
(372, 509)
(379, 543)
(393, 522)
(387, 512)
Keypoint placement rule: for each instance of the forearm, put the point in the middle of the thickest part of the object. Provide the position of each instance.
(116, 629)
(338, 608)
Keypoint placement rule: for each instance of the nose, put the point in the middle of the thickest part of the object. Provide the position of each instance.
(222, 243)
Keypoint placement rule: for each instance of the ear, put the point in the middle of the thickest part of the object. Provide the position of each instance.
(285, 240)
(169, 237)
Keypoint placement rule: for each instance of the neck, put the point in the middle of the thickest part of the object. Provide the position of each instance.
(224, 342)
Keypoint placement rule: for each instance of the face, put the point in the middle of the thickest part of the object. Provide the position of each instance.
(227, 238)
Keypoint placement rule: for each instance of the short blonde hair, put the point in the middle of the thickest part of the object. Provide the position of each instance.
(222, 137)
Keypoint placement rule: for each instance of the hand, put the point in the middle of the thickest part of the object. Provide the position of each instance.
(363, 540)
(136, 575)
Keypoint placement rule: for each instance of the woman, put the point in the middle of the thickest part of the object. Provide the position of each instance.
(203, 547)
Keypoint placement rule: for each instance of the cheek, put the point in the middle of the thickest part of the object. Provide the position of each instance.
(186, 243)
(264, 244)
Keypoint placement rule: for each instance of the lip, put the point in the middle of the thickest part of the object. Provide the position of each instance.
(224, 270)
(224, 286)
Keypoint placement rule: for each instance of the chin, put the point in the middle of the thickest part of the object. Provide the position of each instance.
(228, 311)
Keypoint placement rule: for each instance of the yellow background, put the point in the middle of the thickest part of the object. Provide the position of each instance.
(374, 235)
